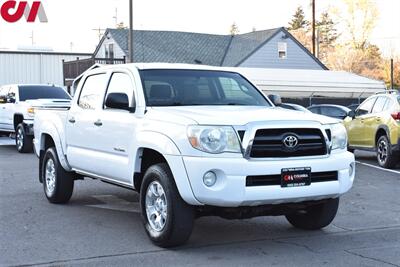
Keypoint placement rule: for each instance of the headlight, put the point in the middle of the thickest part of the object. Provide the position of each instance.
(31, 111)
(214, 139)
(339, 136)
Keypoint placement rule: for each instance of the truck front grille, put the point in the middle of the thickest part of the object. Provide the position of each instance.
(266, 180)
(270, 143)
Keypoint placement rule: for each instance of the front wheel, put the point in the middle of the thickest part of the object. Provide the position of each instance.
(23, 142)
(167, 218)
(58, 184)
(386, 157)
(316, 216)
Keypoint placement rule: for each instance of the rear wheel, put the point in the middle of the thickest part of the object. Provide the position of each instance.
(58, 184)
(23, 142)
(386, 157)
(167, 218)
(316, 216)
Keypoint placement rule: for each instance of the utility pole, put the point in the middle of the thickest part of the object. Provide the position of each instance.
(391, 74)
(130, 35)
(99, 32)
(116, 17)
(313, 27)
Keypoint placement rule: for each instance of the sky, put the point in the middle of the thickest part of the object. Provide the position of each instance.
(71, 23)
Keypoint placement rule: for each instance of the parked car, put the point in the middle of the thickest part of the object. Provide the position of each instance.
(193, 141)
(376, 126)
(18, 104)
(294, 107)
(333, 111)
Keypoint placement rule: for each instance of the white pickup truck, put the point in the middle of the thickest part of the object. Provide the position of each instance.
(194, 141)
(17, 109)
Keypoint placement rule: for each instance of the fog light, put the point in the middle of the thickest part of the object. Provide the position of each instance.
(209, 179)
(351, 169)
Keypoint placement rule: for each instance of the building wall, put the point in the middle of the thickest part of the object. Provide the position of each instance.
(33, 68)
(118, 52)
(268, 57)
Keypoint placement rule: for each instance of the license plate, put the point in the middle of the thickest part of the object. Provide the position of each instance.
(294, 177)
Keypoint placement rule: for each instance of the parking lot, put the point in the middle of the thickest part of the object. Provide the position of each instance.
(101, 226)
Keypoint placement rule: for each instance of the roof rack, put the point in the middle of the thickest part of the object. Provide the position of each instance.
(388, 92)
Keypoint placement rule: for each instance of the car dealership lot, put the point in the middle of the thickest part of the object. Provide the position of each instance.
(101, 226)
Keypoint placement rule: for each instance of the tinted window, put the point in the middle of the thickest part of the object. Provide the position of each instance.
(41, 92)
(316, 110)
(333, 112)
(121, 83)
(365, 107)
(92, 92)
(198, 87)
(379, 104)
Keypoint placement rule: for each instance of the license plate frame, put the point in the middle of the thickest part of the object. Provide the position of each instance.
(295, 177)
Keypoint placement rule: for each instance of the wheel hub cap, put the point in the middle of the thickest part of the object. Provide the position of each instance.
(20, 139)
(156, 206)
(50, 177)
(382, 152)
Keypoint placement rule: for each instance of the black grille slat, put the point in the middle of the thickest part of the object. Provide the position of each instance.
(268, 180)
(269, 143)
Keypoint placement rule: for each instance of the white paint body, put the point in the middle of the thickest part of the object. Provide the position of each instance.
(8, 110)
(112, 152)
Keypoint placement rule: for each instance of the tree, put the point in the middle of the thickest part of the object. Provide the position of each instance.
(327, 35)
(360, 17)
(234, 29)
(327, 30)
(298, 20)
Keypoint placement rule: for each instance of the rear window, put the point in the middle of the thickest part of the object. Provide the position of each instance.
(41, 92)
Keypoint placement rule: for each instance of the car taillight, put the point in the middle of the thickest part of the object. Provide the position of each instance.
(396, 115)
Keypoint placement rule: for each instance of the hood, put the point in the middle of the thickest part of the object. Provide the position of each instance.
(49, 103)
(235, 115)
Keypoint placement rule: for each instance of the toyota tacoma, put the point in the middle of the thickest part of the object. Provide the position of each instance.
(194, 141)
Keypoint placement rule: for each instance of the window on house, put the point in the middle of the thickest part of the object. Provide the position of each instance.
(282, 50)
(111, 50)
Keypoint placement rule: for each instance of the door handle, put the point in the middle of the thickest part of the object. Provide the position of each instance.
(98, 123)
(72, 120)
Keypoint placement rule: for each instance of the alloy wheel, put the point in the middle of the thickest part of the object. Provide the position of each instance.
(156, 206)
(50, 177)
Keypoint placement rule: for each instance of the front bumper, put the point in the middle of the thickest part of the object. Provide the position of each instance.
(231, 190)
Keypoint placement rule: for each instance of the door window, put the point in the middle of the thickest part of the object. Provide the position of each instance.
(365, 107)
(92, 92)
(379, 104)
(120, 83)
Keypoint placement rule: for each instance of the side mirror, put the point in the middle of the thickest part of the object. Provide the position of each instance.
(351, 114)
(117, 101)
(276, 99)
(11, 100)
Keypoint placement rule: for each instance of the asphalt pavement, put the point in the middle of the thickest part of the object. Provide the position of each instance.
(101, 226)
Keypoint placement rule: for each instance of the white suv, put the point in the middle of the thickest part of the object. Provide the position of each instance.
(194, 141)
(17, 109)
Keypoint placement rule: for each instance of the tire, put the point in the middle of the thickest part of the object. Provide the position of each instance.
(315, 217)
(384, 154)
(58, 184)
(23, 142)
(176, 217)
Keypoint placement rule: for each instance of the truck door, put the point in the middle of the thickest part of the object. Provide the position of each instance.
(82, 126)
(116, 139)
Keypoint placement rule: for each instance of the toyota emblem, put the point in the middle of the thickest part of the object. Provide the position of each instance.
(291, 141)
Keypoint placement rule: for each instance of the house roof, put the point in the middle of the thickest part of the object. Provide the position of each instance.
(188, 47)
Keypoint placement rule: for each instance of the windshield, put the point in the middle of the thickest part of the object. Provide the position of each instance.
(41, 92)
(199, 87)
